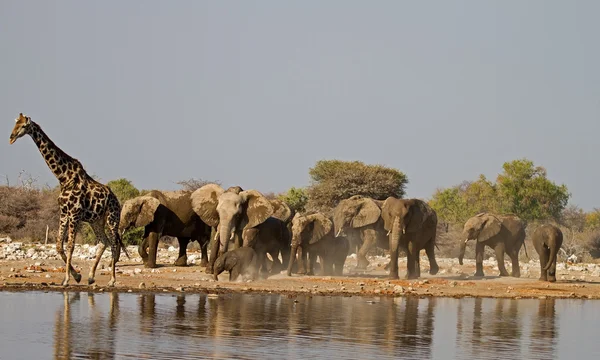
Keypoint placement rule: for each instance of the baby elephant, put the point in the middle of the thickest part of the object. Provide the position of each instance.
(547, 240)
(241, 261)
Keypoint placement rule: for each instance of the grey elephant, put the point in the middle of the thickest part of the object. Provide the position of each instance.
(236, 213)
(412, 225)
(547, 240)
(242, 261)
(359, 219)
(165, 213)
(313, 233)
(503, 233)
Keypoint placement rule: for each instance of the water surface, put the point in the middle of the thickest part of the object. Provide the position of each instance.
(54, 325)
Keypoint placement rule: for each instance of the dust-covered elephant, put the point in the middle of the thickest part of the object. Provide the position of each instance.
(412, 225)
(503, 233)
(547, 240)
(165, 213)
(242, 261)
(313, 233)
(235, 212)
(359, 219)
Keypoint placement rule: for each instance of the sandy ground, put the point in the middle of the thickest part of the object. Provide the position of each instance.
(36, 267)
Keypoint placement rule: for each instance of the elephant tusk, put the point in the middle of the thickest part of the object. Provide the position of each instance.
(403, 231)
(232, 235)
(216, 236)
(338, 233)
(466, 241)
(389, 231)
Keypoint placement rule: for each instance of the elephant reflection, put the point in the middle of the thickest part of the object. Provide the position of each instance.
(493, 319)
(544, 329)
(94, 339)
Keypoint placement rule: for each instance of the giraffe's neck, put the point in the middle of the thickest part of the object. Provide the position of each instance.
(60, 163)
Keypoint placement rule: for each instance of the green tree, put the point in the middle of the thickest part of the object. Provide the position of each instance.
(335, 180)
(123, 189)
(296, 198)
(527, 192)
(522, 189)
(592, 219)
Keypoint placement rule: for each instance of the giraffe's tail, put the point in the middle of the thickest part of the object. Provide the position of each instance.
(122, 245)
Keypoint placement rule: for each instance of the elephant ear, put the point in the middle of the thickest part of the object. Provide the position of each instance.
(368, 213)
(321, 227)
(490, 228)
(258, 208)
(147, 209)
(205, 201)
(386, 213)
(281, 210)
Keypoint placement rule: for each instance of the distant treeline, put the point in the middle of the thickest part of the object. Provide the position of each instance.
(521, 188)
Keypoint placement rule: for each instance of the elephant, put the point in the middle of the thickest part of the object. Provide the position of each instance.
(314, 234)
(235, 213)
(359, 219)
(271, 237)
(547, 240)
(242, 261)
(165, 213)
(412, 225)
(504, 233)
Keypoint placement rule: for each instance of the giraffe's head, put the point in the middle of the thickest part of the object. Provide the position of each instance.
(21, 128)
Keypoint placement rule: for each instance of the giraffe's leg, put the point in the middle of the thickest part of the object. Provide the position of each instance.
(98, 228)
(115, 244)
(72, 229)
(62, 235)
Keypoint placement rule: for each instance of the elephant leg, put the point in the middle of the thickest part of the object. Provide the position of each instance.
(262, 263)
(214, 254)
(369, 240)
(182, 258)
(479, 250)
(552, 270)
(143, 249)
(152, 250)
(204, 254)
(430, 250)
(302, 260)
(312, 258)
(234, 273)
(499, 249)
(544, 257)
(514, 257)
(411, 261)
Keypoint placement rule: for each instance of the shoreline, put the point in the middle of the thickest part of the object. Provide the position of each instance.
(35, 267)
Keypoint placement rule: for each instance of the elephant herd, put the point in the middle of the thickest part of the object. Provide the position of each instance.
(243, 229)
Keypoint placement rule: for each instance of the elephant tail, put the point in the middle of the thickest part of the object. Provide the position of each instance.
(525, 247)
(552, 258)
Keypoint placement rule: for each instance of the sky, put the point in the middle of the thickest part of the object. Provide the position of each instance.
(253, 93)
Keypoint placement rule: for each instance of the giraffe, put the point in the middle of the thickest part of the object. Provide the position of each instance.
(81, 199)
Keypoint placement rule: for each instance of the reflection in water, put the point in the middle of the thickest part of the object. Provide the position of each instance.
(112, 326)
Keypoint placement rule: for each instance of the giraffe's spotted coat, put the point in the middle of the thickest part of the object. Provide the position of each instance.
(81, 199)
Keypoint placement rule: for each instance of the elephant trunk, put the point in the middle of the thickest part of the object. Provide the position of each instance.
(552, 258)
(293, 252)
(395, 239)
(463, 247)
(225, 234)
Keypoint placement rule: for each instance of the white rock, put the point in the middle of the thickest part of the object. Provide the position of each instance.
(172, 248)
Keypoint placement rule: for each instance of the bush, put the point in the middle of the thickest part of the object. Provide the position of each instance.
(296, 198)
(335, 180)
(522, 189)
